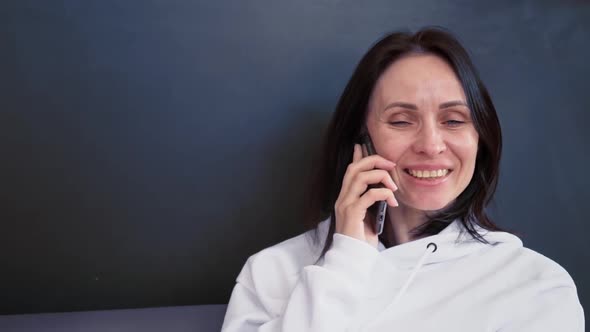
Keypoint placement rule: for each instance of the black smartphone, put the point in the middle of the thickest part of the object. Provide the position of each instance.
(380, 207)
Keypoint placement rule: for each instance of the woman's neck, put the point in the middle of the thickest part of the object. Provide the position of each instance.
(400, 221)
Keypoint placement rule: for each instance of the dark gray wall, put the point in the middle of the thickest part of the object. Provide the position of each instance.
(150, 147)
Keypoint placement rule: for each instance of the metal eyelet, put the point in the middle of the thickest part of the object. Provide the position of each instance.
(434, 244)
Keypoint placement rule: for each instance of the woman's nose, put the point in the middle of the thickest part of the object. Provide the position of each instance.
(429, 141)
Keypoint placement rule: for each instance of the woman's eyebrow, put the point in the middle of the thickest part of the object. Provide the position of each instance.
(453, 103)
(402, 105)
(411, 106)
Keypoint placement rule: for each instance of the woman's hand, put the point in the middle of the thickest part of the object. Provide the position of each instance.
(354, 198)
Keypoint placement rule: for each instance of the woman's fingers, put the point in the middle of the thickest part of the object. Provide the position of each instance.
(360, 164)
(374, 195)
(354, 199)
(361, 182)
(357, 153)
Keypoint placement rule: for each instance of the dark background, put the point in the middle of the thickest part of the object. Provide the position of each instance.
(149, 147)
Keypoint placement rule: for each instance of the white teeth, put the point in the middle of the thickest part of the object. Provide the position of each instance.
(429, 174)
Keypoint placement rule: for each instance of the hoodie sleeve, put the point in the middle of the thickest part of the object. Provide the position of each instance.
(552, 306)
(324, 298)
(556, 310)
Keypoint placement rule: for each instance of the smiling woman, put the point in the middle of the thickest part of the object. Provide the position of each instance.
(418, 117)
(440, 263)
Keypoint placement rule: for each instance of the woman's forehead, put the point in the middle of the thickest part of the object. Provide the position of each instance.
(416, 79)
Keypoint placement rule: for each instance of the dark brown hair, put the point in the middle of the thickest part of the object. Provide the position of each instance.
(350, 114)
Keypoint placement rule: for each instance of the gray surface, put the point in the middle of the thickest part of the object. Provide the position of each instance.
(203, 318)
(137, 135)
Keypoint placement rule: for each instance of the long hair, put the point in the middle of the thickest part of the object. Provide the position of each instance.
(350, 114)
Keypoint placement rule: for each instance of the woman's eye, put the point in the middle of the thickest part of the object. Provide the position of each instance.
(454, 123)
(399, 123)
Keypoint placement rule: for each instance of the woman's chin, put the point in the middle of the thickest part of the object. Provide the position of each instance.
(429, 204)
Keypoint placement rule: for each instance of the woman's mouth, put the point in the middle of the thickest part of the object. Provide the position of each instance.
(428, 174)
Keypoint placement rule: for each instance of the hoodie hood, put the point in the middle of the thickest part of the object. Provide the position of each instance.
(451, 243)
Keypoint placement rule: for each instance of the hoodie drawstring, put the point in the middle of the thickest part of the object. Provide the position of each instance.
(415, 271)
(399, 295)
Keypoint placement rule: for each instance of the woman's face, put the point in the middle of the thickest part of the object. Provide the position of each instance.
(418, 118)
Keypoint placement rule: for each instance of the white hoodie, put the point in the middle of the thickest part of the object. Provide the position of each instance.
(463, 285)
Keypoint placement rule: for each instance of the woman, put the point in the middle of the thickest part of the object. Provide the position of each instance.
(441, 263)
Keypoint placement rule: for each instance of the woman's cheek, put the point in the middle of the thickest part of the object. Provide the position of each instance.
(394, 145)
(470, 151)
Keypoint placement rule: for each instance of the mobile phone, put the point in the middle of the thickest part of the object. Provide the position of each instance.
(380, 207)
